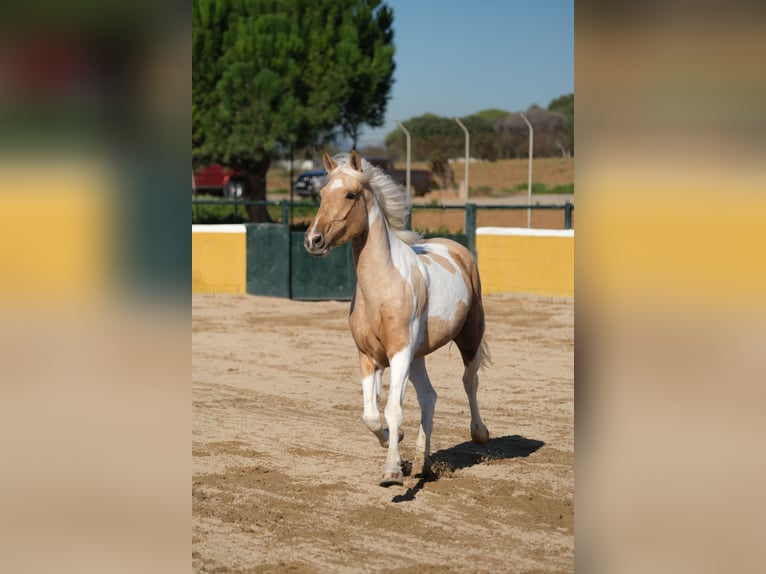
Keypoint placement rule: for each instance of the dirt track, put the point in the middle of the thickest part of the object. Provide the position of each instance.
(286, 473)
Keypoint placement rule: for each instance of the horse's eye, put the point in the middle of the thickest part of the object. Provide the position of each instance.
(350, 195)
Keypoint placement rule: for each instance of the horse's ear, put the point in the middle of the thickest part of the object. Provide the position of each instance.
(355, 161)
(329, 163)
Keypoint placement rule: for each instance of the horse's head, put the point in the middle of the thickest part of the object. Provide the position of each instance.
(342, 213)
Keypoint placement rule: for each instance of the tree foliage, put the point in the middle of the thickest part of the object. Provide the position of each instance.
(371, 73)
(439, 139)
(565, 105)
(551, 133)
(273, 75)
(494, 134)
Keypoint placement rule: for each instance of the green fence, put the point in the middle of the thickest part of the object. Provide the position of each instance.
(279, 266)
(283, 210)
(268, 259)
(330, 277)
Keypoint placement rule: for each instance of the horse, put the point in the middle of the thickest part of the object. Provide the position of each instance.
(412, 297)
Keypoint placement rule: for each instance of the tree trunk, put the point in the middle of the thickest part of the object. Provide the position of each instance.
(255, 188)
(442, 170)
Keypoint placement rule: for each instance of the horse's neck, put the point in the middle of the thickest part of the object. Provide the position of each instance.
(374, 250)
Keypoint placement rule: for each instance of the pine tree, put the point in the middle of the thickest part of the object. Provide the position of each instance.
(271, 75)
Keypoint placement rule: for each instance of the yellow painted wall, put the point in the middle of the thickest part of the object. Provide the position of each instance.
(510, 261)
(219, 259)
(56, 243)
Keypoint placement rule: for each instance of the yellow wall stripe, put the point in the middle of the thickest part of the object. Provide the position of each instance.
(539, 262)
(219, 259)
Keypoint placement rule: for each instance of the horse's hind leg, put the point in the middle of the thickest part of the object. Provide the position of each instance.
(472, 347)
(427, 400)
(479, 432)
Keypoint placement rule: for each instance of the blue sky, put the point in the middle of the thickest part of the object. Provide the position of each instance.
(458, 57)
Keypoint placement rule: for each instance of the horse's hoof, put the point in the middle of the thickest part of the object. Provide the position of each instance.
(479, 434)
(392, 477)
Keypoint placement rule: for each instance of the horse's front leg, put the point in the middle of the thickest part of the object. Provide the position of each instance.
(372, 381)
(400, 369)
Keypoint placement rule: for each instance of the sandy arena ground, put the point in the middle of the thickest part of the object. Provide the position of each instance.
(285, 473)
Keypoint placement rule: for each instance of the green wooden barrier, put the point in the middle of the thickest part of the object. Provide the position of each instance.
(279, 266)
(329, 277)
(268, 259)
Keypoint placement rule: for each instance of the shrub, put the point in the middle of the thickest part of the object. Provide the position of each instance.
(213, 213)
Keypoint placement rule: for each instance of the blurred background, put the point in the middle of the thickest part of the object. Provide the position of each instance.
(669, 282)
(94, 297)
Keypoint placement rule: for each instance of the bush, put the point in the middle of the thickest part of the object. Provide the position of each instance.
(209, 214)
(220, 212)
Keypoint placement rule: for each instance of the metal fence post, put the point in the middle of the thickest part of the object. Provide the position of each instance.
(409, 165)
(467, 155)
(568, 207)
(470, 226)
(285, 211)
(529, 175)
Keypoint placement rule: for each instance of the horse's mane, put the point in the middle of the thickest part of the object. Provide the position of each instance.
(391, 197)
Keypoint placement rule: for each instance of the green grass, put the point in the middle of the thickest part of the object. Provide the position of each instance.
(537, 189)
(540, 188)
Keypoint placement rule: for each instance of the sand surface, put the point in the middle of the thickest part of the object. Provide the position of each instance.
(285, 473)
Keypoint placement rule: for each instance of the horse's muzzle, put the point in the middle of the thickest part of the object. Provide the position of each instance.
(315, 243)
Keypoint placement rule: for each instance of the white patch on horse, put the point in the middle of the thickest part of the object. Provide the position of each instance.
(403, 258)
(336, 184)
(442, 302)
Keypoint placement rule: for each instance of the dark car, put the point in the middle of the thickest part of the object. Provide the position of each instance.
(308, 183)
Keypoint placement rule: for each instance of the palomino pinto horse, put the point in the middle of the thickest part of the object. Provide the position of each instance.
(412, 297)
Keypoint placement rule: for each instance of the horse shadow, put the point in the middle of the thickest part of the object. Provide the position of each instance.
(466, 454)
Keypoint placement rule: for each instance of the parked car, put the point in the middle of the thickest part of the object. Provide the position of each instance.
(308, 183)
(218, 180)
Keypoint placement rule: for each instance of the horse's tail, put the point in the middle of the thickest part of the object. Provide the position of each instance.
(485, 357)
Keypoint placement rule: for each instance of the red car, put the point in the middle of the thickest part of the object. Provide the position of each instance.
(218, 180)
